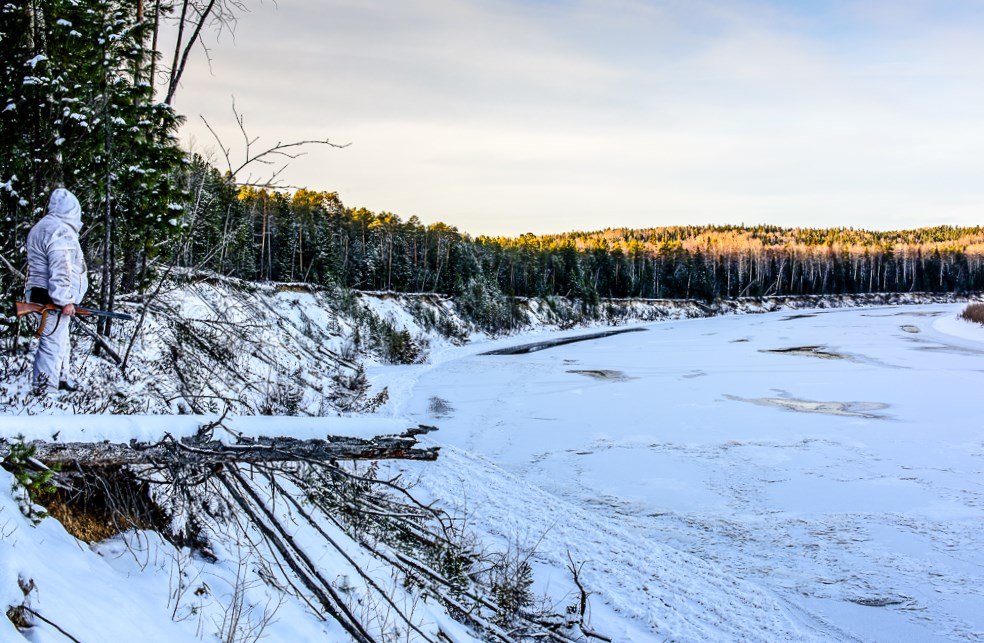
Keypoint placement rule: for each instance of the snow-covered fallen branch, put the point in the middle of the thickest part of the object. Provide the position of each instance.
(202, 450)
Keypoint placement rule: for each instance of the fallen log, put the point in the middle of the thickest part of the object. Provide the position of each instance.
(203, 450)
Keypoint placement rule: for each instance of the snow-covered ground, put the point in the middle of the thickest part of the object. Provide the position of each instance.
(792, 475)
(783, 476)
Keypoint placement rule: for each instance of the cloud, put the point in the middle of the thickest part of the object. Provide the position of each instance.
(502, 117)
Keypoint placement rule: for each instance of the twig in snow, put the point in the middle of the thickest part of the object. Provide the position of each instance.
(49, 622)
(582, 605)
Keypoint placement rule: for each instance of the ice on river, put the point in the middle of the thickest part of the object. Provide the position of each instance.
(759, 477)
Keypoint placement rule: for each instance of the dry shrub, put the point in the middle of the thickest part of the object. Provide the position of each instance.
(102, 505)
(87, 523)
(18, 615)
(974, 313)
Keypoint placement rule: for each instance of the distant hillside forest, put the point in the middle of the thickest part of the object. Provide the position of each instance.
(312, 237)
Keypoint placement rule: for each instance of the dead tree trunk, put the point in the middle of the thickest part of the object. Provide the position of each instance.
(203, 450)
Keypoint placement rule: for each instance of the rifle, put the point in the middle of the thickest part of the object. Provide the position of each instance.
(26, 308)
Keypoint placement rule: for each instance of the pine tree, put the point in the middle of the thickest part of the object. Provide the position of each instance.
(79, 112)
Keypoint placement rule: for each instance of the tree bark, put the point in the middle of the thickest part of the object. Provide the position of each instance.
(202, 450)
(177, 69)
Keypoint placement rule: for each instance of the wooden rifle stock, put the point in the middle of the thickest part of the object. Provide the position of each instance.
(26, 308)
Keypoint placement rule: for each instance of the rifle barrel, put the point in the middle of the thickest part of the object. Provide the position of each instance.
(106, 313)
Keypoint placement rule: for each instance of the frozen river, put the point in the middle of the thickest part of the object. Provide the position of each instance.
(808, 475)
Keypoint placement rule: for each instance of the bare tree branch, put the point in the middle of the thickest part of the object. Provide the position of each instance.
(10, 267)
(266, 157)
(178, 67)
(100, 340)
(582, 606)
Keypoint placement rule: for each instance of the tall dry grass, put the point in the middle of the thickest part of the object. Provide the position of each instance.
(974, 313)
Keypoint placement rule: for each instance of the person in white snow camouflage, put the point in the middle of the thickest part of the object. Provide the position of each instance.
(56, 275)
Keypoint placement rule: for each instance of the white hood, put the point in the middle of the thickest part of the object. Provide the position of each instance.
(54, 257)
(66, 207)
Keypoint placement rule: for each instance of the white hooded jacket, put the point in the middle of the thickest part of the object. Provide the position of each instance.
(54, 256)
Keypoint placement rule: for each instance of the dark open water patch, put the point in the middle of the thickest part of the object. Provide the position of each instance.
(604, 374)
(880, 601)
(439, 407)
(522, 349)
(810, 351)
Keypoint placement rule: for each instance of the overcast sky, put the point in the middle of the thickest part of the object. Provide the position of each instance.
(502, 117)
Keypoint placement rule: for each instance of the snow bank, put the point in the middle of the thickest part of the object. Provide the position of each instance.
(956, 326)
(139, 587)
(113, 606)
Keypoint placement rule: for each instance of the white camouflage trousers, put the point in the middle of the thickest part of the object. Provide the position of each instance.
(52, 362)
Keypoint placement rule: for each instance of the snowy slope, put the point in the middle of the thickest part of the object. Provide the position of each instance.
(139, 587)
(126, 589)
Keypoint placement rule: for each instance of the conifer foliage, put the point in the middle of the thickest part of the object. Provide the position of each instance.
(77, 109)
(312, 237)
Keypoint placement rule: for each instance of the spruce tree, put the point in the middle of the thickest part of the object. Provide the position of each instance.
(78, 111)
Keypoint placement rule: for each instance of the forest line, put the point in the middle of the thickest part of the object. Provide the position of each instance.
(312, 236)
